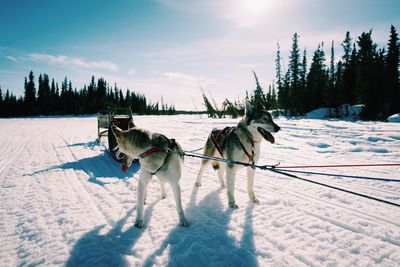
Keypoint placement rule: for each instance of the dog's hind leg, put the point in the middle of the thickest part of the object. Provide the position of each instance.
(144, 179)
(176, 189)
(204, 164)
(250, 185)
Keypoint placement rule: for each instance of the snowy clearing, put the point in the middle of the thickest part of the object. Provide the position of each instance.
(64, 201)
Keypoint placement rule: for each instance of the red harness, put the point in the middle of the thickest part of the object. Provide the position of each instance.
(150, 151)
(220, 137)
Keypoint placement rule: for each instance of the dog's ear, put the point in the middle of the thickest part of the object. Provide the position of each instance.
(116, 130)
(248, 108)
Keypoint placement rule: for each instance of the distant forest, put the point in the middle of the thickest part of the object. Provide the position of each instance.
(48, 98)
(365, 74)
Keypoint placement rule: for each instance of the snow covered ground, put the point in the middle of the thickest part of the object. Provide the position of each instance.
(64, 201)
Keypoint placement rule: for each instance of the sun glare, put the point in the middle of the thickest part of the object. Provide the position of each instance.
(253, 7)
(248, 12)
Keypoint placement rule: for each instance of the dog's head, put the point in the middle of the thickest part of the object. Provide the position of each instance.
(259, 121)
(126, 160)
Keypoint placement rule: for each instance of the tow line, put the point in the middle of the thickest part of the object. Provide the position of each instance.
(284, 171)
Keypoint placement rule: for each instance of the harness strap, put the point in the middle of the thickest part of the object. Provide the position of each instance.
(250, 156)
(152, 150)
(224, 134)
(171, 144)
(217, 146)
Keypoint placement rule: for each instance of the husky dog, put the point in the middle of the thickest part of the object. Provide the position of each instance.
(158, 156)
(240, 143)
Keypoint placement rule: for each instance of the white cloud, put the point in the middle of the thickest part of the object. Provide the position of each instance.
(181, 77)
(72, 61)
(132, 72)
(12, 58)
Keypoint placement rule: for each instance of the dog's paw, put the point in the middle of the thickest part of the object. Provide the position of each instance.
(233, 206)
(256, 201)
(198, 184)
(139, 223)
(184, 223)
(163, 196)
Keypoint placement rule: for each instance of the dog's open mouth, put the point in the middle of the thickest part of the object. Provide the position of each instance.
(267, 135)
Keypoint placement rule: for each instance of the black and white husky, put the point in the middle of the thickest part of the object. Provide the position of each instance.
(239, 143)
(158, 156)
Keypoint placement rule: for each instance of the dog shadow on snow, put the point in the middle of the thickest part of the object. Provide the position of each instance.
(207, 241)
(97, 167)
(95, 249)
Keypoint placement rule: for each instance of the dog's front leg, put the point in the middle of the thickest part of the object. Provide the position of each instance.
(176, 189)
(144, 179)
(230, 185)
(250, 184)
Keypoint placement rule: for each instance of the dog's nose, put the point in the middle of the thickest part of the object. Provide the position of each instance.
(277, 128)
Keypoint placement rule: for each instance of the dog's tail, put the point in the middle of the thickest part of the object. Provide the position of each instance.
(116, 130)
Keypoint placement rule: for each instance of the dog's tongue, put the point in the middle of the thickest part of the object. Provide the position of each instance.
(124, 168)
(267, 135)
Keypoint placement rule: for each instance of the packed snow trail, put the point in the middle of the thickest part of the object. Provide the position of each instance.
(64, 201)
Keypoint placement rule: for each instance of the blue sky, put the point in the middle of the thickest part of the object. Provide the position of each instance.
(171, 48)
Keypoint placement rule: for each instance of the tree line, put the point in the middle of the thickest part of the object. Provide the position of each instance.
(364, 74)
(49, 98)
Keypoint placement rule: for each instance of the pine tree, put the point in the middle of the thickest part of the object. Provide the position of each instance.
(350, 62)
(317, 81)
(366, 83)
(258, 97)
(40, 93)
(278, 68)
(331, 96)
(294, 70)
(392, 72)
(347, 43)
(2, 110)
(303, 83)
(30, 94)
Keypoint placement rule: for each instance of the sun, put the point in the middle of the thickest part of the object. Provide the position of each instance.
(253, 7)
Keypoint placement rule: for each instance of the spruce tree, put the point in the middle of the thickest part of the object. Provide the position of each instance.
(317, 80)
(303, 83)
(331, 96)
(294, 70)
(259, 96)
(392, 72)
(2, 111)
(278, 68)
(350, 62)
(347, 44)
(366, 89)
(30, 94)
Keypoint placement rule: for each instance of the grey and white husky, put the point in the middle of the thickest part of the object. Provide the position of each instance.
(240, 143)
(158, 156)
